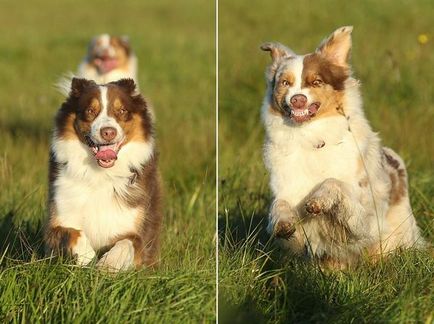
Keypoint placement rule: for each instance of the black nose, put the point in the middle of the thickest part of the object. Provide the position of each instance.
(108, 133)
(298, 101)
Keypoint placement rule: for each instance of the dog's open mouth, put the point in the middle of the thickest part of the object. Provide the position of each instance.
(304, 114)
(105, 154)
(106, 63)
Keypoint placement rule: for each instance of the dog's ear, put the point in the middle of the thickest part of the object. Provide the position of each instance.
(277, 50)
(79, 85)
(124, 41)
(127, 84)
(91, 45)
(337, 47)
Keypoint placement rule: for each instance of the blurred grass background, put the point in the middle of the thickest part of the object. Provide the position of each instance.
(393, 57)
(175, 45)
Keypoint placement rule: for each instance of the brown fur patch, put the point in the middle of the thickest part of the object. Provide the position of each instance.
(329, 92)
(330, 99)
(130, 111)
(279, 92)
(286, 76)
(145, 193)
(73, 119)
(121, 42)
(316, 66)
(391, 161)
(53, 172)
(337, 46)
(122, 50)
(83, 92)
(60, 240)
(67, 130)
(398, 179)
(277, 102)
(88, 107)
(399, 186)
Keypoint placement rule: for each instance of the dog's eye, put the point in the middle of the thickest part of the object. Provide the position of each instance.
(285, 83)
(122, 111)
(317, 82)
(89, 111)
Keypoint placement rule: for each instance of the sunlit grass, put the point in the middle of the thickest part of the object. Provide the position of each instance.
(175, 45)
(257, 282)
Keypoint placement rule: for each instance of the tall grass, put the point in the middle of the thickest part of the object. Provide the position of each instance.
(257, 281)
(174, 42)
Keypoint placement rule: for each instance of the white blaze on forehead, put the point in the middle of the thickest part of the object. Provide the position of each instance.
(295, 66)
(105, 40)
(104, 99)
(297, 70)
(103, 119)
(102, 45)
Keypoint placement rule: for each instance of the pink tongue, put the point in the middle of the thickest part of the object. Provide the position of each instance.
(106, 154)
(108, 64)
(313, 108)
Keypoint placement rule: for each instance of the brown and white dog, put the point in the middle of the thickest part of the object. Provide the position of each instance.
(338, 193)
(109, 58)
(104, 184)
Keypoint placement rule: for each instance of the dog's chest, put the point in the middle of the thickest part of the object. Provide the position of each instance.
(94, 208)
(302, 160)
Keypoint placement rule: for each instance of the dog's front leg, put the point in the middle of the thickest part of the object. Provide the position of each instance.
(282, 219)
(126, 253)
(337, 200)
(283, 224)
(69, 241)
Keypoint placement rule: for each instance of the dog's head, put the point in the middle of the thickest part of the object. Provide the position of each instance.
(304, 87)
(104, 117)
(107, 52)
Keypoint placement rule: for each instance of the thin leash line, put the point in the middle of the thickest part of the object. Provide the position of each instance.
(341, 110)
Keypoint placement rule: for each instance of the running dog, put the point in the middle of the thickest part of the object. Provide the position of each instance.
(338, 193)
(104, 184)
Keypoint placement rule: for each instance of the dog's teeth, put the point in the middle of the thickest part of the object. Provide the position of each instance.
(300, 113)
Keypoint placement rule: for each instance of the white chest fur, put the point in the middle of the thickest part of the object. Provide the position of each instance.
(84, 193)
(93, 209)
(301, 157)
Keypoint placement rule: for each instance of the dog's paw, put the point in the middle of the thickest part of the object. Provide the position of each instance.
(318, 205)
(323, 199)
(283, 229)
(313, 206)
(83, 251)
(281, 220)
(119, 257)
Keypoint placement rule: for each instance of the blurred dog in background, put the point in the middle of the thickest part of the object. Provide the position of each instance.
(109, 58)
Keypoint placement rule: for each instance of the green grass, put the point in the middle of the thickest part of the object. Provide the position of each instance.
(174, 42)
(258, 283)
